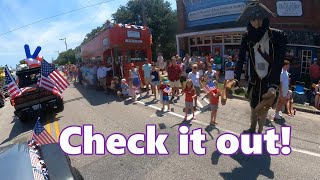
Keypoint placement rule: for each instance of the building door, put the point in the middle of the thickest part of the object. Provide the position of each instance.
(306, 57)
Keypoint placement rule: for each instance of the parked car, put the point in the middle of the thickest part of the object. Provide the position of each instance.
(15, 163)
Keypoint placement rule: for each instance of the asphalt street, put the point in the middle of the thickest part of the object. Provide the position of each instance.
(108, 115)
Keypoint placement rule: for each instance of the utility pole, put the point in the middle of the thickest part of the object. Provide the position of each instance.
(65, 42)
(144, 18)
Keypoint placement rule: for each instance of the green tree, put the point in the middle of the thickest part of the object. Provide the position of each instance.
(65, 57)
(22, 61)
(161, 19)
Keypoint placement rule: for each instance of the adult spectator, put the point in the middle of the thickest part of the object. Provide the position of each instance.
(218, 61)
(229, 70)
(174, 73)
(102, 76)
(315, 71)
(147, 75)
(160, 62)
(284, 89)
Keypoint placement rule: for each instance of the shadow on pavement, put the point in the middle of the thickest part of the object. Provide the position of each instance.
(183, 123)
(251, 166)
(19, 127)
(209, 129)
(94, 97)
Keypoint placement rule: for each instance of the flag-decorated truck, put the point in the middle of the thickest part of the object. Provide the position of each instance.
(36, 88)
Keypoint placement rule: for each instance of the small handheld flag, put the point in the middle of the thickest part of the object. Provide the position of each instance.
(13, 88)
(167, 90)
(209, 87)
(41, 135)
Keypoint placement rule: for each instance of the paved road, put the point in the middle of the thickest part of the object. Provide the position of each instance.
(86, 106)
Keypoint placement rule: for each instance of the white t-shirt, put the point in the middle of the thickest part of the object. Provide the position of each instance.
(284, 80)
(102, 72)
(195, 78)
(147, 70)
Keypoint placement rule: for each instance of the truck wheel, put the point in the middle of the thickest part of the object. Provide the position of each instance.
(23, 117)
(60, 106)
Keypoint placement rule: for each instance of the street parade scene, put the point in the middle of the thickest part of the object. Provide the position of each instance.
(160, 89)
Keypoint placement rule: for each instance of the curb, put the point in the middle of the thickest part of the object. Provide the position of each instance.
(307, 110)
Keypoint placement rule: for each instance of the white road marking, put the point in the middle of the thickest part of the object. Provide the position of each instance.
(229, 131)
(199, 104)
(206, 100)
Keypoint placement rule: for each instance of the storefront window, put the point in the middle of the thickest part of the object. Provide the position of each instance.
(192, 41)
(207, 40)
(227, 38)
(237, 38)
(136, 55)
(199, 40)
(217, 39)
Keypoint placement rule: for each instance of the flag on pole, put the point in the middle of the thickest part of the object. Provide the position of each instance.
(41, 135)
(51, 79)
(13, 88)
(209, 87)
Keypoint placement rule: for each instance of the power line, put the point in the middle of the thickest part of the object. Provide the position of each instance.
(55, 16)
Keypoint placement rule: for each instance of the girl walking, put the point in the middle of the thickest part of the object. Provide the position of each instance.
(155, 80)
(214, 103)
(190, 93)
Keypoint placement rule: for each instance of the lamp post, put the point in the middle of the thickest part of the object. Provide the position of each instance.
(65, 42)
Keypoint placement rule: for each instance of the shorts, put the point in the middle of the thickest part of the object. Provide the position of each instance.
(136, 82)
(198, 90)
(175, 84)
(189, 104)
(183, 79)
(214, 107)
(155, 83)
(165, 99)
(147, 80)
(218, 66)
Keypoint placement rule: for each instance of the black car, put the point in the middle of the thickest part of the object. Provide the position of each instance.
(15, 163)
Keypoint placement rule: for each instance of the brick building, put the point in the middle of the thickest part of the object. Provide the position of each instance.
(208, 26)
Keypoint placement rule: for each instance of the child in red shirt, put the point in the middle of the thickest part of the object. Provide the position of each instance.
(190, 95)
(214, 101)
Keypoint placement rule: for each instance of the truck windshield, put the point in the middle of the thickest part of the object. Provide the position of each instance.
(28, 77)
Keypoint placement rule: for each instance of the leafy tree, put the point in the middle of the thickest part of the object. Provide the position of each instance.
(65, 57)
(22, 61)
(161, 19)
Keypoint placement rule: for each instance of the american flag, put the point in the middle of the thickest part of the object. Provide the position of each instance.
(209, 87)
(41, 135)
(13, 88)
(51, 79)
(34, 158)
(167, 90)
(37, 174)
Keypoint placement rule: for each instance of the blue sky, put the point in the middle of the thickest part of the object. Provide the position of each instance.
(74, 26)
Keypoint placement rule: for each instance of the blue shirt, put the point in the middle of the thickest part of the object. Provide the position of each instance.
(146, 69)
(229, 64)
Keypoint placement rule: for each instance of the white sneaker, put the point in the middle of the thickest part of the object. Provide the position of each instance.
(277, 116)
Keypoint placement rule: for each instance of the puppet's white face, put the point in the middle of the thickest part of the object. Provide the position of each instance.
(257, 23)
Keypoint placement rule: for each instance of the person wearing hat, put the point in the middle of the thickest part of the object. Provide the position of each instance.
(266, 48)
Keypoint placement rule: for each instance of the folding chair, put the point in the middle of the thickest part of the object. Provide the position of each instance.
(299, 93)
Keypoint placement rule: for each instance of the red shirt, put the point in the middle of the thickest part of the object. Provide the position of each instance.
(162, 87)
(214, 100)
(315, 71)
(189, 93)
(174, 72)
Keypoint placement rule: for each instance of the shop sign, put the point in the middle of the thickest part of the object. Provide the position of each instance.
(289, 8)
(133, 41)
(217, 11)
(133, 34)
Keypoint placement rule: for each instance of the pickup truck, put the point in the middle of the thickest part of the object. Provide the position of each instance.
(34, 98)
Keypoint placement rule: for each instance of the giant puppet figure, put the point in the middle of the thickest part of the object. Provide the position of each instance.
(266, 49)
